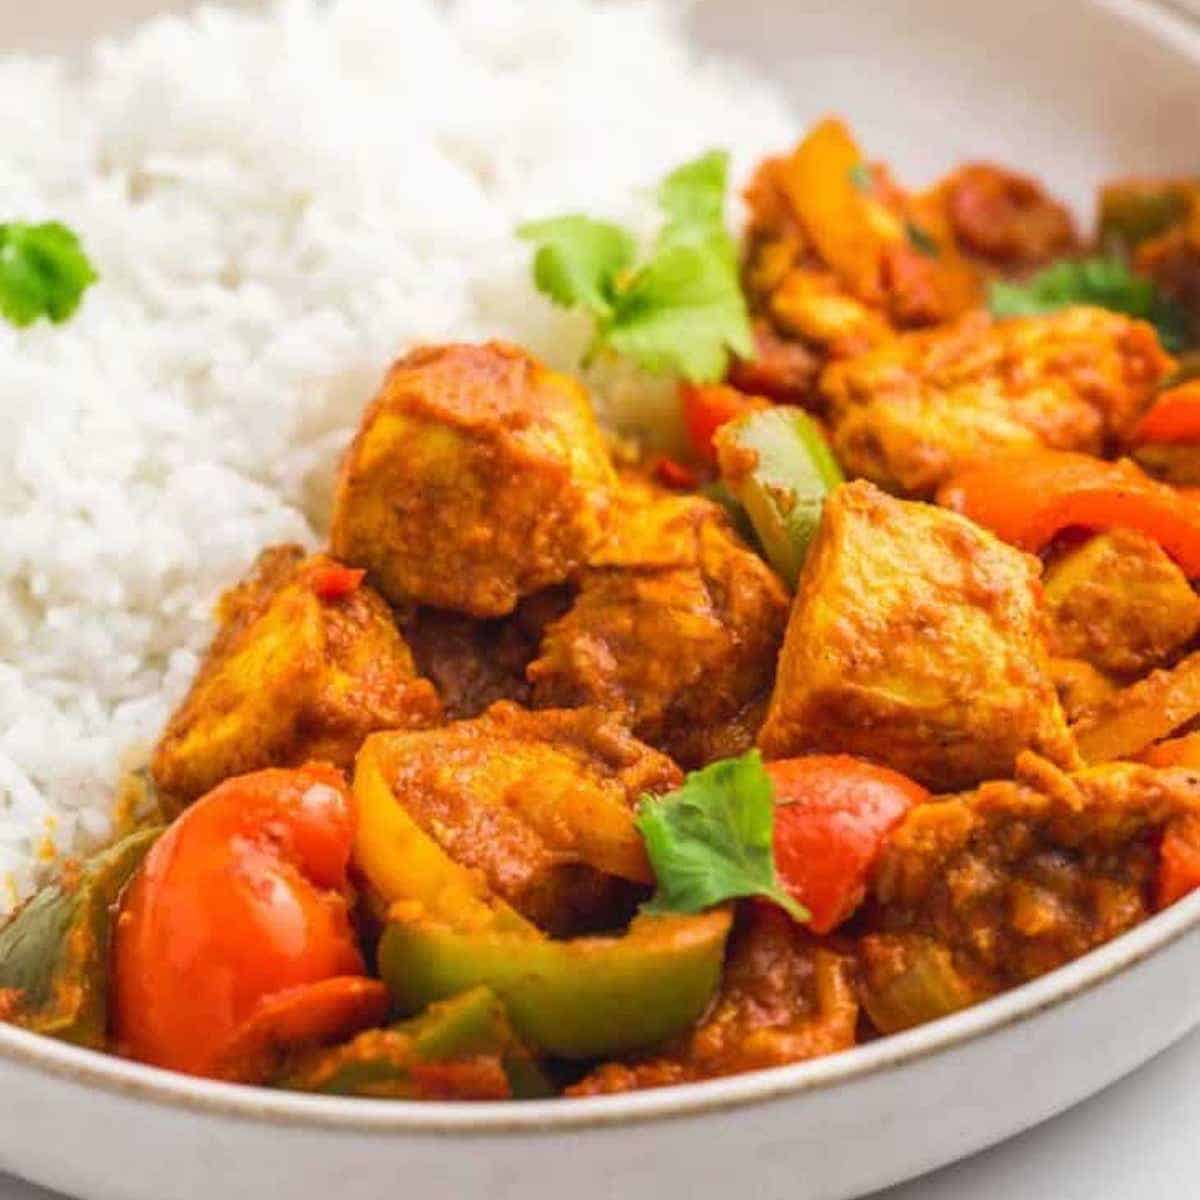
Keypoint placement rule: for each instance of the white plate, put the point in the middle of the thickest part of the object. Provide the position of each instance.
(1072, 90)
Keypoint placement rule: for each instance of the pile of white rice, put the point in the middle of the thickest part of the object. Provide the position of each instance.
(278, 204)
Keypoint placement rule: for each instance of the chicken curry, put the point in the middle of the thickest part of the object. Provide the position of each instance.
(567, 768)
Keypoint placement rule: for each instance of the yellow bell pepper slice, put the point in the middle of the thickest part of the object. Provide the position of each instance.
(401, 862)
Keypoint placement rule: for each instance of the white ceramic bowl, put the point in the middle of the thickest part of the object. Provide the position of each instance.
(1073, 90)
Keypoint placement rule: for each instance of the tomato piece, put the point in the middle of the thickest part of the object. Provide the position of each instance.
(244, 898)
(1175, 417)
(707, 408)
(332, 1010)
(833, 815)
(1178, 861)
(1028, 498)
(670, 472)
(333, 581)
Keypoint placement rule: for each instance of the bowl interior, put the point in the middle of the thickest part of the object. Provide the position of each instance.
(1073, 92)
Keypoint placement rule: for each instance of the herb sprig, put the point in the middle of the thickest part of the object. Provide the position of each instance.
(1105, 282)
(680, 311)
(44, 272)
(712, 839)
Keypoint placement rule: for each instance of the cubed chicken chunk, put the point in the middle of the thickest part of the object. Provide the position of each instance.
(541, 804)
(907, 415)
(676, 628)
(987, 890)
(786, 997)
(478, 476)
(916, 640)
(1120, 603)
(307, 661)
(1082, 689)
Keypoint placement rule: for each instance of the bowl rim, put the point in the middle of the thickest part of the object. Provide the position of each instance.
(1168, 22)
(136, 1081)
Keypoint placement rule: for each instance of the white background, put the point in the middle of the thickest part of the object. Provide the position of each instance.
(1137, 1139)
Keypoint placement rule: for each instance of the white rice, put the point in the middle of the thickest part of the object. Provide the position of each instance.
(278, 204)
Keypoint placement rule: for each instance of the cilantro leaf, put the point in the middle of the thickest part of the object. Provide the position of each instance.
(578, 260)
(43, 272)
(692, 198)
(681, 311)
(712, 839)
(1105, 282)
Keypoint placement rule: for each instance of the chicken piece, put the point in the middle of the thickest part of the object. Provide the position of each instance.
(915, 640)
(1016, 878)
(911, 413)
(1005, 218)
(541, 804)
(675, 629)
(810, 305)
(1182, 751)
(783, 369)
(474, 663)
(786, 997)
(478, 476)
(1120, 603)
(1082, 690)
(298, 670)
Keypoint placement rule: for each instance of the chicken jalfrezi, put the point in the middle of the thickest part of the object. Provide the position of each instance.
(561, 773)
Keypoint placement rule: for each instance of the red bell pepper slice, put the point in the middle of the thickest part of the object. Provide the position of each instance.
(1028, 498)
(707, 408)
(1174, 418)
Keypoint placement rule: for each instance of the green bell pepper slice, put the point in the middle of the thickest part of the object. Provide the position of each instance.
(54, 952)
(386, 1063)
(581, 998)
(778, 465)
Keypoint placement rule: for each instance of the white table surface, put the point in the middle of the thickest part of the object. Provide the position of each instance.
(1137, 1139)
